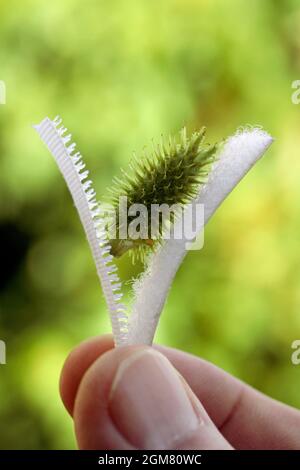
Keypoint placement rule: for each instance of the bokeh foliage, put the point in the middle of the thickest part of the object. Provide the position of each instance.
(120, 73)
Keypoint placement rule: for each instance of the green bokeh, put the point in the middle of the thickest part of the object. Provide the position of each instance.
(121, 73)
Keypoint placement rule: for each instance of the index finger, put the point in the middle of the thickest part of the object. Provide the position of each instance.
(247, 418)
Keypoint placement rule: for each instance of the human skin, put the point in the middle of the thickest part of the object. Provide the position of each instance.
(137, 397)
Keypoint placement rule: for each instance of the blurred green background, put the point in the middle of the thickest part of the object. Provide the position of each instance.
(121, 73)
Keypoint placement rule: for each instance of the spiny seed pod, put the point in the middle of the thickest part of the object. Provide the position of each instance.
(171, 175)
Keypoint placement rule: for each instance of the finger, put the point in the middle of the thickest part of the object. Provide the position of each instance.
(246, 418)
(77, 363)
(132, 397)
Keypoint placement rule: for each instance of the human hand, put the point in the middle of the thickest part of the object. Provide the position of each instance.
(138, 397)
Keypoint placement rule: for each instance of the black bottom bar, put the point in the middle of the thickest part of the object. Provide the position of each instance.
(136, 459)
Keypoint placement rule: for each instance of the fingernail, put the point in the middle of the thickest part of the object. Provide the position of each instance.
(149, 403)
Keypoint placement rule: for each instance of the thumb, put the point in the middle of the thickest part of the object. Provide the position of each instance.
(133, 398)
